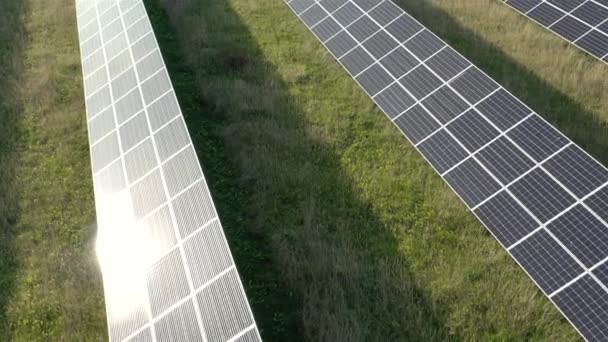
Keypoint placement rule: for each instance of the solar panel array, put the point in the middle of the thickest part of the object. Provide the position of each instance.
(541, 196)
(584, 23)
(167, 269)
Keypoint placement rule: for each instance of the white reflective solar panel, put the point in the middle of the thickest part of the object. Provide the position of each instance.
(542, 197)
(167, 269)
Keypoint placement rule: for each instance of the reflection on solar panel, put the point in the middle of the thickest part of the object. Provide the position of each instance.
(542, 197)
(584, 23)
(167, 270)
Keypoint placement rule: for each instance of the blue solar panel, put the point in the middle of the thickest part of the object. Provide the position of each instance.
(542, 197)
(583, 23)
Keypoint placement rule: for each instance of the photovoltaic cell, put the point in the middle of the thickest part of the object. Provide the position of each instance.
(472, 130)
(598, 202)
(442, 151)
(416, 124)
(583, 234)
(580, 173)
(583, 23)
(546, 261)
(505, 160)
(380, 44)
(537, 138)
(601, 273)
(357, 60)
(447, 63)
(472, 182)
(540, 195)
(160, 243)
(394, 100)
(506, 219)
(585, 304)
(503, 110)
(399, 62)
(420, 82)
(445, 104)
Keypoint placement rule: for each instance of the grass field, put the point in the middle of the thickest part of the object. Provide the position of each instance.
(370, 243)
(49, 283)
(339, 228)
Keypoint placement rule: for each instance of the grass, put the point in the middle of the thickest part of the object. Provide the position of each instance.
(367, 240)
(50, 288)
(339, 228)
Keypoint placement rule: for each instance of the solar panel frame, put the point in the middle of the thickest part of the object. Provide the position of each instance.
(160, 242)
(583, 23)
(520, 118)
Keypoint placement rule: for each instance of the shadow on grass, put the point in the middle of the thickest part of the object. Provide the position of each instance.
(12, 38)
(570, 116)
(316, 262)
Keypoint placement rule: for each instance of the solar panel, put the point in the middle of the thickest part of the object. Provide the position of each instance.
(167, 269)
(542, 197)
(583, 23)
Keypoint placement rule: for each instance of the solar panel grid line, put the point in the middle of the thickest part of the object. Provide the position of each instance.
(242, 333)
(359, 44)
(115, 78)
(132, 118)
(553, 238)
(126, 92)
(126, 151)
(568, 284)
(149, 327)
(139, 179)
(123, 71)
(388, 53)
(535, 167)
(90, 55)
(336, 10)
(190, 298)
(404, 76)
(418, 102)
(177, 304)
(490, 142)
(567, 13)
(94, 19)
(600, 34)
(447, 123)
(110, 41)
(124, 171)
(333, 35)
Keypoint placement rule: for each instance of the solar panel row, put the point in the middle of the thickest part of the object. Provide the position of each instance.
(541, 196)
(167, 269)
(584, 23)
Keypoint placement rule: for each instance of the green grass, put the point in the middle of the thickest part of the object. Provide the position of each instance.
(50, 288)
(339, 229)
(367, 240)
